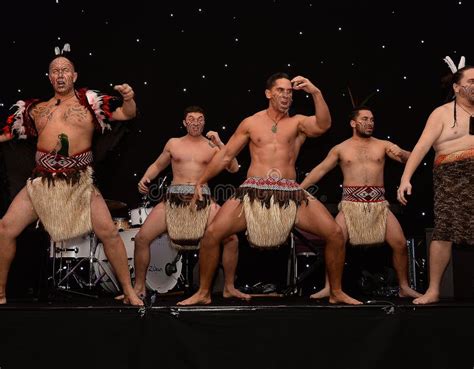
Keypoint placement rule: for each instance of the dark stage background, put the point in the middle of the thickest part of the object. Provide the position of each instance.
(218, 55)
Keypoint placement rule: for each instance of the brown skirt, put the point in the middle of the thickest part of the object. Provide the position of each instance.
(454, 201)
(365, 211)
(270, 207)
(63, 203)
(186, 226)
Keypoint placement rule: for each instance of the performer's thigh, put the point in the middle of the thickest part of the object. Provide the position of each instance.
(394, 232)
(229, 219)
(316, 219)
(19, 215)
(341, 220)
(213, 212)
(102, 222)
(155, 223)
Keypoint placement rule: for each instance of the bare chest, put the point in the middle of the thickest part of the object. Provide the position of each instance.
(197, 154)
(67, 117)
(362, 155)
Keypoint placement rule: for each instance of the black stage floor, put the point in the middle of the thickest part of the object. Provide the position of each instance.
(267, 332)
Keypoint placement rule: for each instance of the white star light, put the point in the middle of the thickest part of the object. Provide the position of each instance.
(203, 76)
(289, 64)
(184, 89)
(138, 40)
(340, 29)
(90, 54)
(145, 83)
(404, 77)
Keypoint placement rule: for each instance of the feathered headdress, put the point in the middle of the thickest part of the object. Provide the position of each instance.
(452, 66)
(66, 49)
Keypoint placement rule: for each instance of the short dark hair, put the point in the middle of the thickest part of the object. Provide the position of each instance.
(355, 112)
(193, 109)
(272, 79)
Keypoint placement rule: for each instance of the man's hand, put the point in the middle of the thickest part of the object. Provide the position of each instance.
(405, 186)
(302, 83)
(197, 196)
(126, 91)
(214, 138)
(143, 185)
(396, 151)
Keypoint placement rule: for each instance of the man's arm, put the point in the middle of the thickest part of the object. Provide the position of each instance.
(396, 153)
(432, 131)
(233, 167)
(156, 168)
(128, 110)
(322, 168)
(319, 123)
(225, 156)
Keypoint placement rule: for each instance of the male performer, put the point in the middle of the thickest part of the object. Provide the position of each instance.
(189, 156)
(270, 202)
(450, 131)
(60, 191)
(364, 215)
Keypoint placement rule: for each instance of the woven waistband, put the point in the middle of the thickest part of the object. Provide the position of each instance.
(186, 189)
(454, 156)
(363, 193)
(56, 163)
(269, 183)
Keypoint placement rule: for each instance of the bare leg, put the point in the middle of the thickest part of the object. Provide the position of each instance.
(228, 221)
(315, 218)
(114, 247)
(326, 290)
(397, 241)
(19, 215)
(230, 258)
(155, 225)
(440, 253)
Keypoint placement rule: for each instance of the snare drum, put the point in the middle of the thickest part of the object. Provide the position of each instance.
(157, 279)
(138, 216)
(121, 224)
(78, 247)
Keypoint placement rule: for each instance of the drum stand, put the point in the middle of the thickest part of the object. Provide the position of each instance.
(294, 280)
(63, 272)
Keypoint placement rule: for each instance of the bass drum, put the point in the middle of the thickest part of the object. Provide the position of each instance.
(157, 278)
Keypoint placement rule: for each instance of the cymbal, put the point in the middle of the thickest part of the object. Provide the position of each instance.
(115, 204)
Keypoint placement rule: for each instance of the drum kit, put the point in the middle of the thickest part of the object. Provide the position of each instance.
(80, 264)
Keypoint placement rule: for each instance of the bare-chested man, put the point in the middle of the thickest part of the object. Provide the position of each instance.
(189, 155)
(364, 215)
(269, 203)
(450, 131)
(61, 192)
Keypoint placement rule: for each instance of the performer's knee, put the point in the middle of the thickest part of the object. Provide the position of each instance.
(231, 241)
(141, 239)
(5, 230)
(335, 235)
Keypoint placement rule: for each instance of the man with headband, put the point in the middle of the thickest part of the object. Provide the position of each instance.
(188, 156)
(364, 214)
(269, 203)
(450, 131)
(60, 192)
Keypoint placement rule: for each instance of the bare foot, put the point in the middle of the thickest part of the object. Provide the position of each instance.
(325, 292)
(133, 300)
(199, 298)
(234, 292)
(408, 292)
(140, 293)
(3, 300)
(339, 297)
(427, 298)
